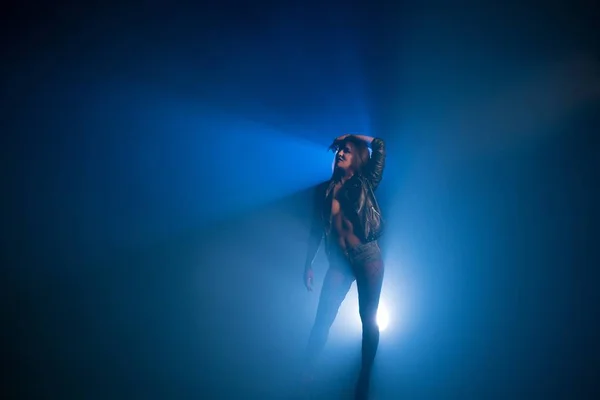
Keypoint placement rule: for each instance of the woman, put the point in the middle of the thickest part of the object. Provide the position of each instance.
(348, 217)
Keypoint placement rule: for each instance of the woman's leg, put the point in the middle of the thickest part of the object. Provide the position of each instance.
(369, 279)
(336, 285)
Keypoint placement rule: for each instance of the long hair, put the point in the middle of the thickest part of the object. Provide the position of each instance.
(361, 154)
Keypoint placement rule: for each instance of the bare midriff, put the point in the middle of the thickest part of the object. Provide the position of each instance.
(342, 228)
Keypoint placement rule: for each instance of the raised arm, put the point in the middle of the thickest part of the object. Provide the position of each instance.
(374, 170)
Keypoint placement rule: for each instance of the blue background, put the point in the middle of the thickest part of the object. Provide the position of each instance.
(156, 170)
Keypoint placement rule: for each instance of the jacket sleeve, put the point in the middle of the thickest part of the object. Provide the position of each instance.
(376, 165)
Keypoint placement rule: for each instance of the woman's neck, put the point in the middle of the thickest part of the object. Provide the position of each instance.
(342, 176)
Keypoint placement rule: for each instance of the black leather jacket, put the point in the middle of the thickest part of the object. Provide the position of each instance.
(357, 200)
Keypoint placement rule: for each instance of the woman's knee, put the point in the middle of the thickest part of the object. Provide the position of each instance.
(368, 316)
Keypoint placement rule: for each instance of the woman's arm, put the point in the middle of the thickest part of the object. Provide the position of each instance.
(376, 165)
(316, 230)
(314, 238)
(367, 139)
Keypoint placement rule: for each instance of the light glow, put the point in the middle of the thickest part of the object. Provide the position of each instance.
(383, 317)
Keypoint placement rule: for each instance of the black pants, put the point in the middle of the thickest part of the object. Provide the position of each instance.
(365, 264)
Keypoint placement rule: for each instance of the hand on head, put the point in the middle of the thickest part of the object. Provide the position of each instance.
(336, 142)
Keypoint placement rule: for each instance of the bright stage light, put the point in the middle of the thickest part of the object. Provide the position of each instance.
(383, 317)
(348, 319)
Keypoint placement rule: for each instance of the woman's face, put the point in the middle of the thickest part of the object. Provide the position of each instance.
(344, 156)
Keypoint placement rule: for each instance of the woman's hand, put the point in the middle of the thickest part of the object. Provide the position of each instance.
(367, 139)
(308, 278)
(334, 145)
